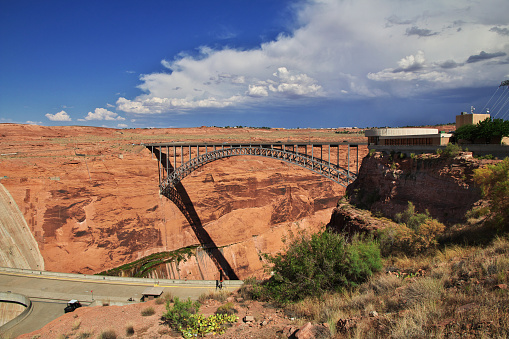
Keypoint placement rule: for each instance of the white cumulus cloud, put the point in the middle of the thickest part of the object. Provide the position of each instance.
(60, 116)
(340, 51)
(102, 114)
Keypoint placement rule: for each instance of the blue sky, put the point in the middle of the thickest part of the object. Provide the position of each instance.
(275, 63)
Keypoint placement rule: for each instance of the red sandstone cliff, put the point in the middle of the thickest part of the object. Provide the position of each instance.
(443, 186)
(90, 197)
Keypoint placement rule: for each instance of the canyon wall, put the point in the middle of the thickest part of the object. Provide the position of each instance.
(18, 247)
(90, 198)
(443, 186)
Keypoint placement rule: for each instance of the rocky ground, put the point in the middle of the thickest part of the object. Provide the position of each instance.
(256, 320)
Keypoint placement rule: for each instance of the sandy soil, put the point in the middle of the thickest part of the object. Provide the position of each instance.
(269, 322)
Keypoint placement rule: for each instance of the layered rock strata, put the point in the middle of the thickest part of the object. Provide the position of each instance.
(91, 199)
(443, 186)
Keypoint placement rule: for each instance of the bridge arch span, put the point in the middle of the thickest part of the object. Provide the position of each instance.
(177, 160)
(181, 159)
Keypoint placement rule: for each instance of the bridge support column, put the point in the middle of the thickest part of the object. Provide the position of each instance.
(348, 171)
(174, 158)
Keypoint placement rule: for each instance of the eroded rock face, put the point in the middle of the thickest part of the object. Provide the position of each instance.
(90, 197)
(349, 220)
(443, 186)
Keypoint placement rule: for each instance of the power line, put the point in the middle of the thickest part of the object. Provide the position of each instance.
(505, 103)
(500, 99)
(490, 98)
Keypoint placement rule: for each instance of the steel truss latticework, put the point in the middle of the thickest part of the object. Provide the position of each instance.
(175, 164)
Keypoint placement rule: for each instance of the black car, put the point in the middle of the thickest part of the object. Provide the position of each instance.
(72, 305)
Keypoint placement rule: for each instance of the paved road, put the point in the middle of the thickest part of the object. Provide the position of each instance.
(50, 294)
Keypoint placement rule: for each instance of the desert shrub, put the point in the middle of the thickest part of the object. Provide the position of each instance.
(494, 182)
(129, 330)
(220, 296)
(108, 334)
(227, 308)
(252, 289)
(422, 291)
(400, 239)
(323, 262)
(201, 326)
(425, 237)
(84, 335)
(76, 325)
(414, 323)
(180, 312)
(450, 151)
(167, 296)
(183, 316)
(487, 157)
(477, 212)
(384, 283)
(409, 217)
(415, 233)
(148, 311)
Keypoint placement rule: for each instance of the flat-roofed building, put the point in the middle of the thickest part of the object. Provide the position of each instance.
(406, 137)
(470, 119)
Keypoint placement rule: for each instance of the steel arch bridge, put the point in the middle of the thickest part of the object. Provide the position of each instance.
(178, 160)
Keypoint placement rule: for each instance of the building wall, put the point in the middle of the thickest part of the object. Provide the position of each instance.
(470, 119)
(407, 131)
(413, 141)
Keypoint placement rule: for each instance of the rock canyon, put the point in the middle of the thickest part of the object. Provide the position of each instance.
(90, 197)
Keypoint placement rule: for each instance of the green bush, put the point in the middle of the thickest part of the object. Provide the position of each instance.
(494, 182)
(200, 326)
(485, 129)
(416, 233)
(183, 317)
(320, 263)
(179, 314)
(450, 151)
(409, 217)
(252, 289)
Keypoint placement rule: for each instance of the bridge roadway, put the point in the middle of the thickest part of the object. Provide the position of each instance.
(50, 291)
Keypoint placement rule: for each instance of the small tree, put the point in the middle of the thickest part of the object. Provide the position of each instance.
(320, 263)
(486, 129)
(494, 182)
(466, 132)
